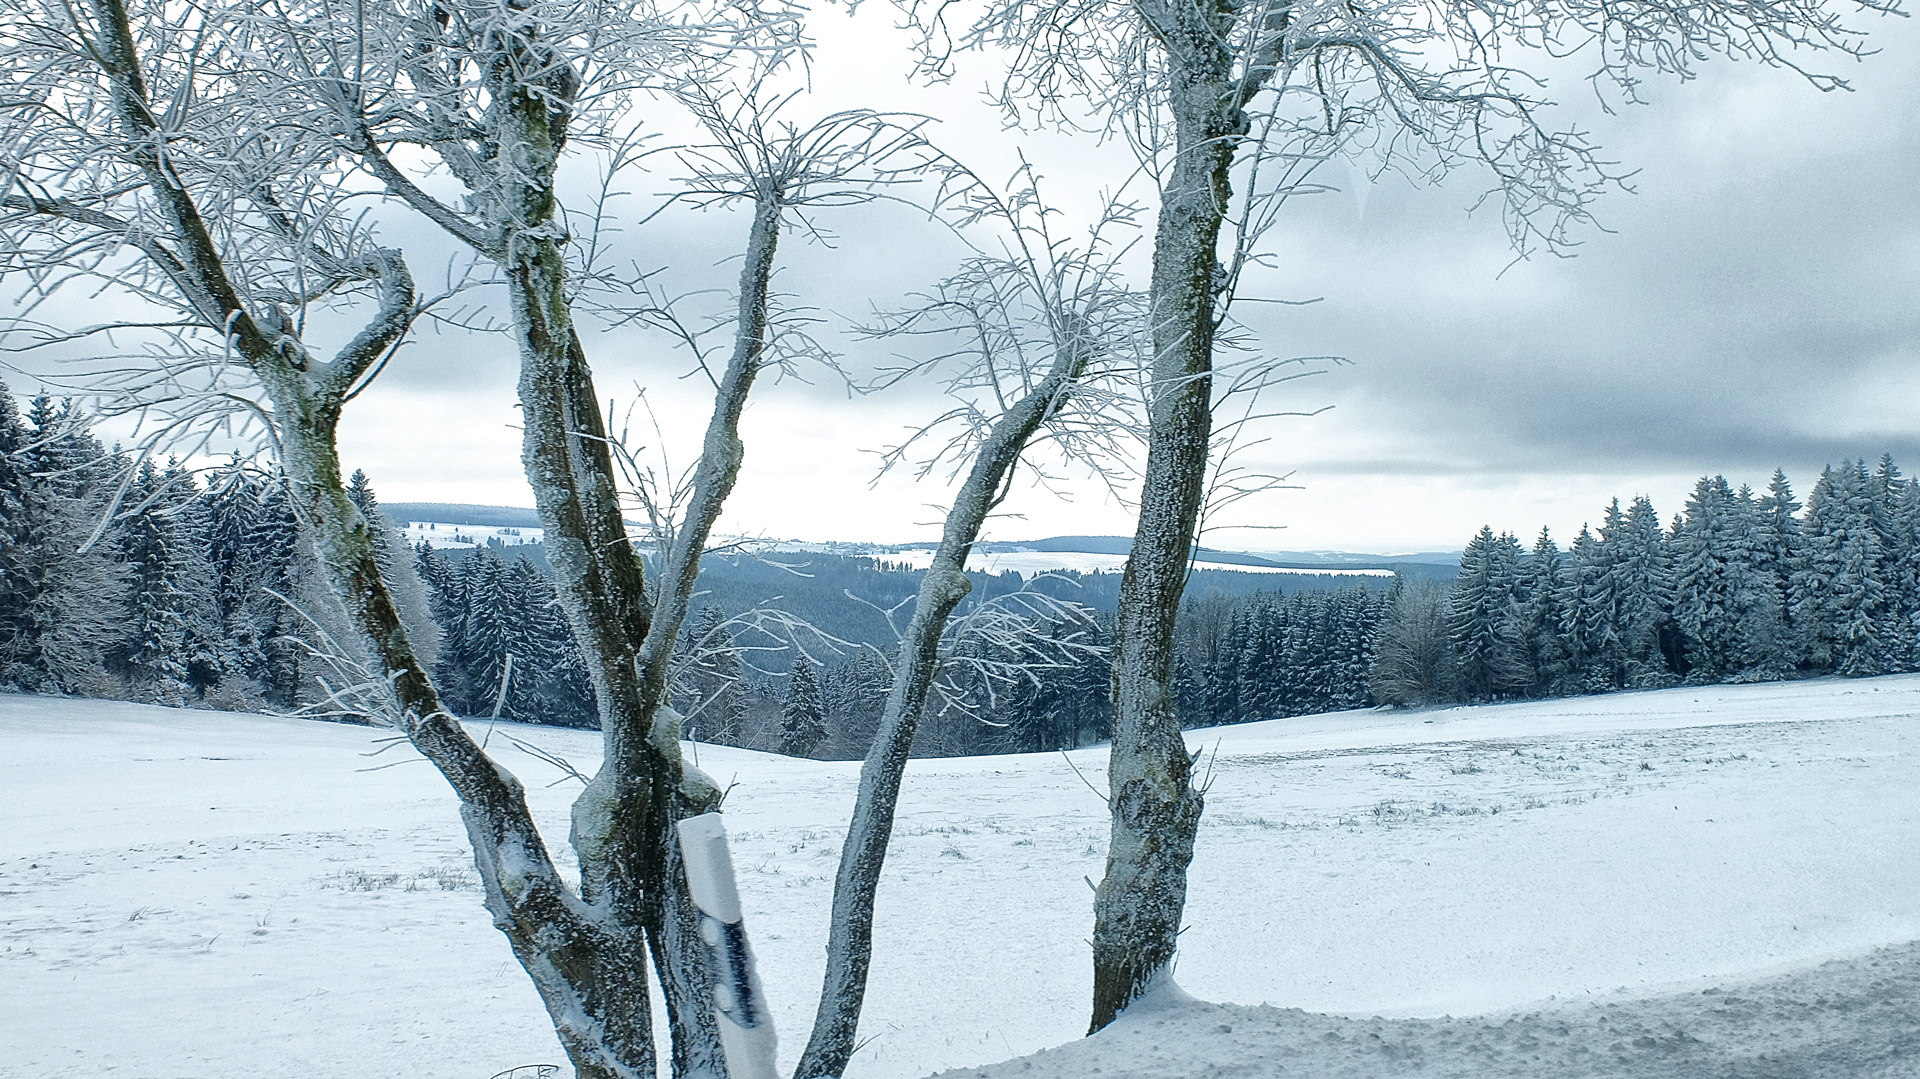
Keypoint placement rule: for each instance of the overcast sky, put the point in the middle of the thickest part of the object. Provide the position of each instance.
(1752, 305)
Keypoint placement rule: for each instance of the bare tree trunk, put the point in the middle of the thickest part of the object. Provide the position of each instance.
(862, 856)
(587, 954)
(623, 822)
(563, 943)
(1155, 807)
(674, 932)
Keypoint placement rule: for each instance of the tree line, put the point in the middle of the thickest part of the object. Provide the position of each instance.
(1739, 587)
(142, 581)
(131, 579)
(179, 589)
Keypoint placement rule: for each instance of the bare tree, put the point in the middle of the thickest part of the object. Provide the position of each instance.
(150, 134)
(1413, 660)
(622, 822)
(1045, 343)
(167, 136)
(1231, 105)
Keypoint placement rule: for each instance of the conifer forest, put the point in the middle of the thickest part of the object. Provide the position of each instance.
(200, 591)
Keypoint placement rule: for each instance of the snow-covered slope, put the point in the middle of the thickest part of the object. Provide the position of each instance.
(213, 895)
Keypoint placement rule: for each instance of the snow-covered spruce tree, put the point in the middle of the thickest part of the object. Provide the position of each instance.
(1484, 619)
(1894, 518)
(1232, 103)
(1589, 630)
(1906, 520)
(278, 557)
(1765, 643)
(1259, 671)
(1727, 611)
(18, 543)
(1634, 594)
(712, 690)
(549, 683)
(232, 507)
(1543, 619)
(62, 586)
(1839, 599)
(485, 631)
(158, 553)
(1706, 580)
(204, 654)
(803, 720)
(1779, 546)
(1656, 653)
(856, 695)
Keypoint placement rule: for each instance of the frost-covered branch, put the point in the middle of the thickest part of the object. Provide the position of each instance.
(1038, 330)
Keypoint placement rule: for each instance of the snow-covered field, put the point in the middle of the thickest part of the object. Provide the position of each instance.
(215, 895)
(447, 535)
(1029, 562)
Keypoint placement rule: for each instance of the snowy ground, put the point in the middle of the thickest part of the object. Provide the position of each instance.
(1030, 562)
(210, 895)
(447, 535)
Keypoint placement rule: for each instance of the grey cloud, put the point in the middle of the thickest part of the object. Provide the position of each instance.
(1741, 301)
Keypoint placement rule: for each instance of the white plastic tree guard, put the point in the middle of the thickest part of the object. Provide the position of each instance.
(746, 1028)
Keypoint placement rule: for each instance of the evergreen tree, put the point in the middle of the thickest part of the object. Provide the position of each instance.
(360, 491)
(1894, 522)
(1223, 678)
(1593, 642)
(855, 693)
(18, 544)
(1544, 618)
(204, 654)
(1779, 552)
(486, 632)
(1644, 588)
(1765, 643)
(272, 577)
(64, 594)
(1483, 618)
(803, 721)
(550, 683)
(152, 655)
(1839, 599)
(715, 701)
(1905, 578)
(1712, 582)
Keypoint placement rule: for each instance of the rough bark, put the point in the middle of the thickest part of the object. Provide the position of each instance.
(1154, 806)
(623, 823)
(578, 964)
(863, 855)
(675, 938)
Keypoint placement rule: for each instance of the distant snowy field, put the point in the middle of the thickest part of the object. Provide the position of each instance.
(450, 536)
(209, 895)
(446, 535)
(1029, 562)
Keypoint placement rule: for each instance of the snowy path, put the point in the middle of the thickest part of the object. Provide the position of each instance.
(206, 895)
(1855, 1018)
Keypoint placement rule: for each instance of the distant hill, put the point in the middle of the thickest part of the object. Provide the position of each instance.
(1120, 545)
(462, 514)
(1419, 564)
